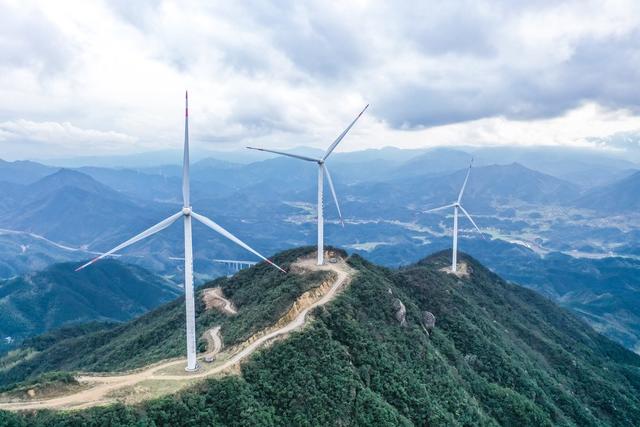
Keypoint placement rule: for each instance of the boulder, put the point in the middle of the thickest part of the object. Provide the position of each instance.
(400, 311)
(428, 321)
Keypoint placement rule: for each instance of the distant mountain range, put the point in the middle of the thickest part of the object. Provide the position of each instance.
(71, 207)
(489, 187)
(222, 177)
(56, 296)
(618, 197)
(49, 215)
(96, 207)
(23, 172)
(584, 167)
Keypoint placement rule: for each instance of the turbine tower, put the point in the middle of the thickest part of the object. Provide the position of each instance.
(457, 205)
(322, 171)
(186, 213)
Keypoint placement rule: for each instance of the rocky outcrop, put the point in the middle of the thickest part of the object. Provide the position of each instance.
(400, 311)
(303, 301)
(428, 321)
(471, 359)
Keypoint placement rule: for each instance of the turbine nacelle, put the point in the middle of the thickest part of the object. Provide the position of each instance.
(187, 211)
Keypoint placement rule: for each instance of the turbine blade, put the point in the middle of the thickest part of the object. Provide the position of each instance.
(343, 134)
(466, 178)
(148, 232)
(185, 159)
(218, 229)
(308, 159)
(440, 208)
(333, 192)
(471, 219)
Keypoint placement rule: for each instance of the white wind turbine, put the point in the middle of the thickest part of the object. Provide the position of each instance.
(457, 205)
(322, 170)
(187, 213)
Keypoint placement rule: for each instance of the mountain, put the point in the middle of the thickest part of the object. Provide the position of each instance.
(489, 188)
(583, 167)
(156, 158)
(64, 179)
(73, 208)
(70, 215)
(23, 252)
(618, 197)
(388, 154)
(56, 218)
(10, 193)
(163, 184)
(23, 171)
(262, 294)
(605, 292)
(414, 346)
(109, 291)
(138, 184)
(494, 186)
(498, 183)
(434, 162)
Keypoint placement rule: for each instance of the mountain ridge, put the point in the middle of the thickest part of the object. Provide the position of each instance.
(489, 353)
(618, 197)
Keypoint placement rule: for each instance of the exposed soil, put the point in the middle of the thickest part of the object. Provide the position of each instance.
(214, 299)
(462, 270)
(169, 376)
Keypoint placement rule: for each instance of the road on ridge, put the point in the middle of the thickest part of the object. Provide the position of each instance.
(100, 387)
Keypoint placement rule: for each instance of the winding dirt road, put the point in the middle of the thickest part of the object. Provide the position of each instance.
(108, 389)
(214, 341)
(213, 298)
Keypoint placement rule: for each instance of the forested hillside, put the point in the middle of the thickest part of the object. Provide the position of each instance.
(415, 346)
(58, 295)
(262, 294)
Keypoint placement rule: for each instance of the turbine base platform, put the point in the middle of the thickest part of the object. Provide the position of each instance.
(462, 270)
(196, 369)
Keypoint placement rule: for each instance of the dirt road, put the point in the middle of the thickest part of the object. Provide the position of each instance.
(214, 341)
(103, 388)
(213, 298)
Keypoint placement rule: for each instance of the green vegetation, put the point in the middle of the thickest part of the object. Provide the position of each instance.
(604, 292)
(262, 295)
(58, 295)
(499, 355)
(46, 340)
(48, 378)
(44, 385)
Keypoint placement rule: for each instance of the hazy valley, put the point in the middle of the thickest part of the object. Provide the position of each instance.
(563, 238)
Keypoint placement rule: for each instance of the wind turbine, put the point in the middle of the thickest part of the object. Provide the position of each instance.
(322, 170)
(457, 205)
(187, 213)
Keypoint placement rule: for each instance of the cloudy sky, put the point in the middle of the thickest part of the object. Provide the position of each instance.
(108, 77)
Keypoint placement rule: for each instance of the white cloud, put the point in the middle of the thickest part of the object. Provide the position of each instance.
(291, 73)
(61, 138)
(569, 129)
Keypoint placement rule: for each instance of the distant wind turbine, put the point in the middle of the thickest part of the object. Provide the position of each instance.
(456, 205)
(187, 213)
(322, 170)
